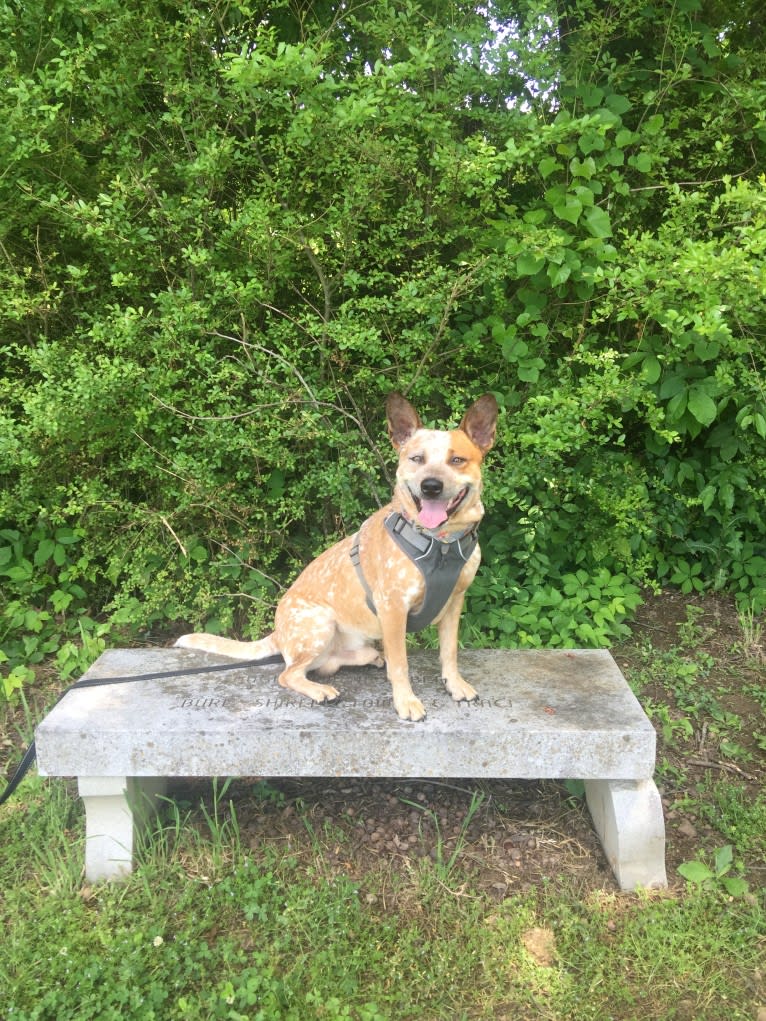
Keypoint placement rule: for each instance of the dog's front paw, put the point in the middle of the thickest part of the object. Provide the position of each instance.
(408, 707)
(460, 690)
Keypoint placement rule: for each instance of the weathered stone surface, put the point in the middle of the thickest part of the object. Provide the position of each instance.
(540, 714)
(566, 714)
(627, 815)
(116, 808)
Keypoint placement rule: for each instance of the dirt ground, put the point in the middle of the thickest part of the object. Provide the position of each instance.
(509, 835)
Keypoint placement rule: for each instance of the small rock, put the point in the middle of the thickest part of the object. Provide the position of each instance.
(687, 829)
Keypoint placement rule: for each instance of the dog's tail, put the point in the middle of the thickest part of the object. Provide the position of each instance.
(264, 648)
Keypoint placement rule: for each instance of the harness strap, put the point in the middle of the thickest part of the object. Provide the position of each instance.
(439, 560)
(92, 682)
(354, 554)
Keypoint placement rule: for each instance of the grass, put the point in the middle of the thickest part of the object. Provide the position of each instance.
(444, 863)
(739, 818)
(206, 929)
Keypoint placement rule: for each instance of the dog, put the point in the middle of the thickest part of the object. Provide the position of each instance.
(375, 585)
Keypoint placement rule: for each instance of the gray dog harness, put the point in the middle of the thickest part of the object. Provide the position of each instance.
(440, 561)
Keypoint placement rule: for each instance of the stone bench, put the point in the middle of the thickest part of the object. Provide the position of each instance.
(541, 714)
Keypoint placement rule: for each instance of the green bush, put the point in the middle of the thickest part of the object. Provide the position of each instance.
(228, 237)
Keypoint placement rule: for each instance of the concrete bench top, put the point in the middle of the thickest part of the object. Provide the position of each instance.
(540, 714)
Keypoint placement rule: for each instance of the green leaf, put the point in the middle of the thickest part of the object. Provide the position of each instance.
(583, 168)
(618, 103)
(20, 572)
(598, 223)
(575, 787)
(514, 349)
(672, 385)
(723, 858)
(67, 537)
(651, 369)
(591, 141)
(531, 299)
(535, 216)
(734, 886)
(591, 96)
(558, 274)
(701, 405)
(677, 406)
(707, 496)
(615, 157)
(529, 373)
(642, 162)
(528, 265)
(706, 350)
(569, 210)
(547, 165)
(696, 872)
(44, 552)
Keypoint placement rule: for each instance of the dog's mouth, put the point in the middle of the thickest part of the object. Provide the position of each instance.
(432, 513)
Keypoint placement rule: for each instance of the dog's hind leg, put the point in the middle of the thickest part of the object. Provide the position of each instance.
(306, 634)
(294, 678)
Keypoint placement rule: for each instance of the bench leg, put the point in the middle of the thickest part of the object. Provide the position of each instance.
(116, 808)
(627, 815)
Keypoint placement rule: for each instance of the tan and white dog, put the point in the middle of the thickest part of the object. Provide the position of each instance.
(367, 587)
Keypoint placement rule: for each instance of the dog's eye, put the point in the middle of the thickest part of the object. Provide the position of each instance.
(417, 458)
(457, 460)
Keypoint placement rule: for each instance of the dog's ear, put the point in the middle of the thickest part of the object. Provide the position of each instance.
(403, 420)
(479, 422)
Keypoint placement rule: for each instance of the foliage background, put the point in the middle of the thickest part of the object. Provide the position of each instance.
(230, 228)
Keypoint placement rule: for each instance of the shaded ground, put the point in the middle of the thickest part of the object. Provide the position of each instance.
(701, 677)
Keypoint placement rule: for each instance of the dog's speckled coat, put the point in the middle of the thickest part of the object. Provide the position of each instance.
(323, 622)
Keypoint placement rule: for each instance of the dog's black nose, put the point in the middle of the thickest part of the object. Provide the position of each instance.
(431, 488)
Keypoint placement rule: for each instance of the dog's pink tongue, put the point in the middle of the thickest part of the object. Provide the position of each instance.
(433, 513)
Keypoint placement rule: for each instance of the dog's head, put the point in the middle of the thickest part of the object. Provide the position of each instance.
(439, 474)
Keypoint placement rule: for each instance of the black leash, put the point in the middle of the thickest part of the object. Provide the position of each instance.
(93, 682)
